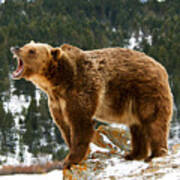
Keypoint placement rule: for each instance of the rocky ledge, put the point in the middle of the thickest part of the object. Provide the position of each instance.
(105, 160)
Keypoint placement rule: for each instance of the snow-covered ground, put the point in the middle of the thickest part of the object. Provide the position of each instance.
(54, 175)
(138, 170)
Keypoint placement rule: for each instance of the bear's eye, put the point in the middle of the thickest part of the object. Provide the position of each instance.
(31, 51)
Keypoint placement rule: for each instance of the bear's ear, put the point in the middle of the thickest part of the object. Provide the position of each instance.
(56, 53)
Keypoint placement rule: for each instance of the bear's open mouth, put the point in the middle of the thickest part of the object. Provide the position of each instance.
(20, 67)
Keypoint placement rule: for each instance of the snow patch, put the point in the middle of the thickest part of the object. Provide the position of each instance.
(135, 41)
(95, 148)
(38, 96)
(50, 176)
(161, 0)
(2, 1)
(16, 104)
(119, 126)
(173, 176)
(120, 168)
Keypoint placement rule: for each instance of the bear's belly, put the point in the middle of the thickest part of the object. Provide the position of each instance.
(105, 114)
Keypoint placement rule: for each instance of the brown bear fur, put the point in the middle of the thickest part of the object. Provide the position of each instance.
(113, 85)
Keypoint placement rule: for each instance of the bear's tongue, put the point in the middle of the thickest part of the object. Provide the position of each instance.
(20, 68)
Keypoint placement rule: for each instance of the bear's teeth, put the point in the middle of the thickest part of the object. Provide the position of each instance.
(19, 69)
(15, 56)
(17, 72)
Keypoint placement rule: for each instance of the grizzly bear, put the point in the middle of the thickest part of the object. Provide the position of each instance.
(113, 85)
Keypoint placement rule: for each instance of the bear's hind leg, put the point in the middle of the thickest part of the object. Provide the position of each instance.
(158, 134)
(155, 114)
(139, 143)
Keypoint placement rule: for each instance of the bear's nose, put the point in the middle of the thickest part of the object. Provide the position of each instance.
(14, 49)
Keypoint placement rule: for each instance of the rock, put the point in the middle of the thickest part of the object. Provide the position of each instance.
(114, 139)
(105, 160)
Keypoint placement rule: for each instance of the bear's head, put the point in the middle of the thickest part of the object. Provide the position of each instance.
(32, 58)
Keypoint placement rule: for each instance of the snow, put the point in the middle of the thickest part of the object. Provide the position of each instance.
(10, 160)
(134, 42)
(172, 176)
(128, 170)
(49, 176)
(120, 168)
(95, 148)
(16, 104)
(120, 126)
(161, 0)
(38, 96)
(2, 1)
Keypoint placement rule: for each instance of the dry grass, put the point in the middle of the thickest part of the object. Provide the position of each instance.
(33, 169)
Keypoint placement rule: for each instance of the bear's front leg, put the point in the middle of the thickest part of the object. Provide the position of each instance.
(57, 115)
(80, 118)
(81, 136)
